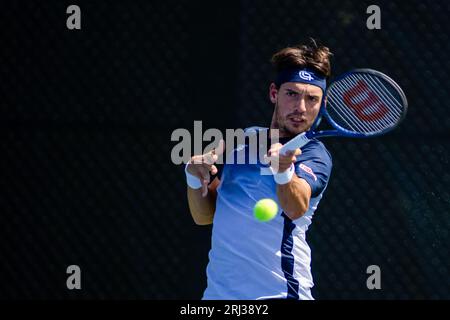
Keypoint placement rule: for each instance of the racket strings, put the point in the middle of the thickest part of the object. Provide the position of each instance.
(342, 112)
(394, 114)
(383, 91)
(375, 104)
(373, 107)
(385, 95)
(340, 116)
(366, 127)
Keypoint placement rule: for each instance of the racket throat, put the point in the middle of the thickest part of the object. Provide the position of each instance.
(297, 142)
(308, 135)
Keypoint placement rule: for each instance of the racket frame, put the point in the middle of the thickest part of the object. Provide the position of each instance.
(339, 131)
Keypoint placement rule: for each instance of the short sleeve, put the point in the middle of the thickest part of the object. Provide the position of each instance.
(314, 165)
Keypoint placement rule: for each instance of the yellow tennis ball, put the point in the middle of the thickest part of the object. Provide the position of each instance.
(265, 210)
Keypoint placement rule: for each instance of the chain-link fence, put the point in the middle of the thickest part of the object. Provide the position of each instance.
(87, 117)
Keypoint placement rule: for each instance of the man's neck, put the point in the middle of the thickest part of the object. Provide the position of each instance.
(281, 138)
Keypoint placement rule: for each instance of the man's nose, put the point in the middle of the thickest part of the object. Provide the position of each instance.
(300, 105)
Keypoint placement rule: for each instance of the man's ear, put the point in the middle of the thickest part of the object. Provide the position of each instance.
(273, 91)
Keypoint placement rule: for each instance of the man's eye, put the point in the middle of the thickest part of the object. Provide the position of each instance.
(291, 94)
(313, 98)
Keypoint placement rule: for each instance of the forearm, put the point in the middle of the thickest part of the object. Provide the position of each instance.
(294, 197)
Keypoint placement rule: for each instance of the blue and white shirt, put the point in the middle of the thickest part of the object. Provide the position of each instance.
(255, 260)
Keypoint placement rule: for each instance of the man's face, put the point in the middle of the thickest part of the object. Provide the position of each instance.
(296, 107)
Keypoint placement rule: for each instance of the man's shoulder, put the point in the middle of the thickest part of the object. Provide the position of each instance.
(317, 149)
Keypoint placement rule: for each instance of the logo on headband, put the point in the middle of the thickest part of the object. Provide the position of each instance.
(305, 75)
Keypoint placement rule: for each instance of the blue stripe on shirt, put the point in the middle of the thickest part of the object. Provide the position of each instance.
(287, 258)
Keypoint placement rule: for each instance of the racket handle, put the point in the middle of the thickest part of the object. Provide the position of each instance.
(297, 142)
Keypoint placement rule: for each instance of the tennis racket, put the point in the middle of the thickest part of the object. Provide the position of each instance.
(361, 103)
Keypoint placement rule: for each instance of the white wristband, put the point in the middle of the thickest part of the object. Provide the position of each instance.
(284, 177)
(192, 181)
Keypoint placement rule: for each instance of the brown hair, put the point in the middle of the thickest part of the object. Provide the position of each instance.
(311, 55)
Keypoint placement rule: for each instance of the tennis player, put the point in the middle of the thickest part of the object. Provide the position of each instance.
(251, 259)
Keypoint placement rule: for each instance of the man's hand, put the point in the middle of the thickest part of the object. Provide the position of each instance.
(202, 166)
(279, 162)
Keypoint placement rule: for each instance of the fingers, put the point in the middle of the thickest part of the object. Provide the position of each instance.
(212, 156)
(197, 159)
(205, 181)
(290, 155)
(295, 152)
(276, 146)
(204, 188)
(203, 171)
(274, 149)
(220, 148)
(281, 162)
(203, 174)
(209, 168)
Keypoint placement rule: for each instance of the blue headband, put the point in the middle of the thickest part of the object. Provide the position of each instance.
(307, 76)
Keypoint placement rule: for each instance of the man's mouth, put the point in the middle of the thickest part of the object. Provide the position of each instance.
(297, 120)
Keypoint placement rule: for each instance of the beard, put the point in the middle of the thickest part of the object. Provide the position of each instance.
(282, 124)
